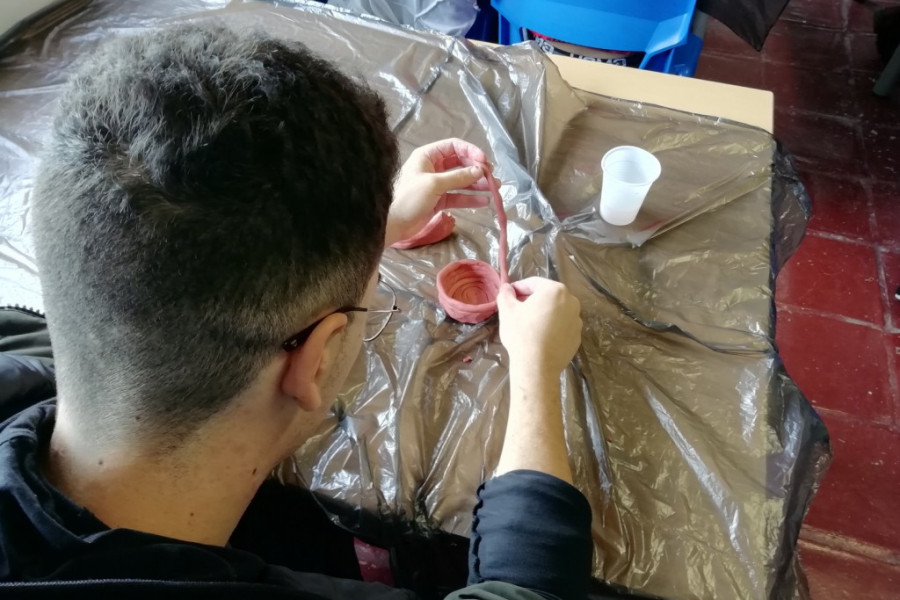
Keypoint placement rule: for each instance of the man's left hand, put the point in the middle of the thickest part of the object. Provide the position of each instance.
(425, 183)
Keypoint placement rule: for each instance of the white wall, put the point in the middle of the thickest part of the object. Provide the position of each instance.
(13, 11)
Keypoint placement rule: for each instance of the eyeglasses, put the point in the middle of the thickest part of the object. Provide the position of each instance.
(377, 318)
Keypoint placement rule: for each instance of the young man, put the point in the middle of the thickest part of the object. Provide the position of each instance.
(204, 197)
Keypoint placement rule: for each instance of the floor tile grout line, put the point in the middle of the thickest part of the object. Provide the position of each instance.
(861, 139)
(885, 293)
(870, 205)
(837, 237)
(816, 26)
(865, 180)
(843, 119)
(883, 422)
(867, 183)
(767, 59)
(850, 70)
(859, 549)
(848, 49)
(788, 307)
(886, 425)
(890, 349)
(712, 51)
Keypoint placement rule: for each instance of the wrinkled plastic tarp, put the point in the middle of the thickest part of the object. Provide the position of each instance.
(698, 455)
(453, 17)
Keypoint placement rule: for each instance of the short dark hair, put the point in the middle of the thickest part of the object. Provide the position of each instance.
(203, 195)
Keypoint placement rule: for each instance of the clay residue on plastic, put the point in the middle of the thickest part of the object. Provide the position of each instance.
(439, 228)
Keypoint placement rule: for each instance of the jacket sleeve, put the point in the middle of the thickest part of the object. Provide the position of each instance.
(532, 530)
(495, 590)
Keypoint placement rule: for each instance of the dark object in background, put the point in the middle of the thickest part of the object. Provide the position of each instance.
(486, 26)
(887, 29)
(749, 19)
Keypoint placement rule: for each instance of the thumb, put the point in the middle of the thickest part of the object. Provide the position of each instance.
(506, 297)
(456, 179)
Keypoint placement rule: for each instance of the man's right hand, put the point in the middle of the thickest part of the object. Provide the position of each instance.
(533, 526)
(540, 325)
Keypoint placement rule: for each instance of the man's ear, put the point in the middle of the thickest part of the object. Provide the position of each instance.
(309, 365)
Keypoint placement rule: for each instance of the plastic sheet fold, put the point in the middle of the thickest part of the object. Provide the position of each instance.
(698, 454)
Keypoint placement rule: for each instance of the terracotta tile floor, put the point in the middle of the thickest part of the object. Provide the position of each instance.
(838, 322)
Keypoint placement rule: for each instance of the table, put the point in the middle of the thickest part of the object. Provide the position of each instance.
(744, 105)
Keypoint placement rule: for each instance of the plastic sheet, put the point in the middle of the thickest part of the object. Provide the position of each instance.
(453, 17)
(697, 453)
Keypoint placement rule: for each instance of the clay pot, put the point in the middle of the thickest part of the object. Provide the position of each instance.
(467, 290)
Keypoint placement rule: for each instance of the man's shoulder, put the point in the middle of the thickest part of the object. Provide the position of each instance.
(28, 423)
(131, 564)
(135, 589)
(26, 361)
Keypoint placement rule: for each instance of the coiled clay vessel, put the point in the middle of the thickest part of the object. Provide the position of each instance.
(467, 289)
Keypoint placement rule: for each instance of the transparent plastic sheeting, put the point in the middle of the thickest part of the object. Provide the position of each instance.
(454, 17)
(697, 453)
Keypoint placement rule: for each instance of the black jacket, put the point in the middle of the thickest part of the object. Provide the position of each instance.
(51, 547)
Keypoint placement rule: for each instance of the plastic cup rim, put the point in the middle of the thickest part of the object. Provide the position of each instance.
(657, 167)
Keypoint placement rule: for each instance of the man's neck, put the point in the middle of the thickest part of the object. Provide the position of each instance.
(196, 493)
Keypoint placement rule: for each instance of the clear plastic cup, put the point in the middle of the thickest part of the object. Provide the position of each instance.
(628, 173)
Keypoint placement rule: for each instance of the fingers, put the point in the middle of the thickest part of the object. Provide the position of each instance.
(506, 297)
(443, 184)
(453, 164)
(451, 200)
(528, 286)
(455, 179)
(453, 152)
(483, 186)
